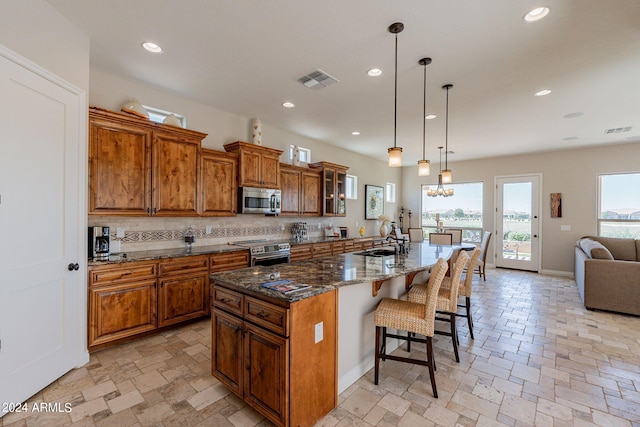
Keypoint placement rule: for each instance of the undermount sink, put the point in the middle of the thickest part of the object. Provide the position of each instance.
(377, 252)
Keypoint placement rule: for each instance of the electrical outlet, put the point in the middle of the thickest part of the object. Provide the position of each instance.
(565, 228)
(319, 330)
(208, 229)
(120, 232)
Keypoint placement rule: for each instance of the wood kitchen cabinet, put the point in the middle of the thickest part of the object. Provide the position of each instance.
(183, 289)
(258, 166)
(219, 183)
(334, 188)
(226, 261)
(322, 249)
(140, 168)
(122, 301)
(301, 252)
(300, 191)
(267, 354)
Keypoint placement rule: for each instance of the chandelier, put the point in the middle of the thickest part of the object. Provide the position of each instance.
(440, 190)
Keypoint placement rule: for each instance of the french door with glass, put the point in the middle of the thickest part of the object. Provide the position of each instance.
(517, 222)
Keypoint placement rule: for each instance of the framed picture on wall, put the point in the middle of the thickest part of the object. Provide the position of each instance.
(373, 201)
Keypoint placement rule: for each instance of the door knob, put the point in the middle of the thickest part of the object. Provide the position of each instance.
(72, 267)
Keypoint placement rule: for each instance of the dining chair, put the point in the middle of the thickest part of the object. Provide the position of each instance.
(465, 288)
(446, 301)
(441, 238)
(417, 317)
(456, 234)
(483, 256)
(416, 235)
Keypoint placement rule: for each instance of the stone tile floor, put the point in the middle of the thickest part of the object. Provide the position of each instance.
(538, 358)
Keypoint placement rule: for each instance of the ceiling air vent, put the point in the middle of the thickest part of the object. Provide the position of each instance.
(317, 80)
(618, 130)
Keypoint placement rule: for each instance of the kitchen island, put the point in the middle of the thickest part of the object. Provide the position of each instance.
(290, 354)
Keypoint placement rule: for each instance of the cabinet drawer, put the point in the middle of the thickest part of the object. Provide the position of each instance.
(301, 252)
(348, 246)
(132, 271)
(229, 261)
(267, 315)
(179, 265)
(227, 300)
(321, 250)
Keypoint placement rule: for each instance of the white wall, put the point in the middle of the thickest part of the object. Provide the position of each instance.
(570, 172)
(35, 30)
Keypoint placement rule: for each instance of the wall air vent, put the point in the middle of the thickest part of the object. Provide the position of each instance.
(317, 80)
(618, 130)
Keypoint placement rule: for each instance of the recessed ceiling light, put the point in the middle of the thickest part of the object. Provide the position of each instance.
(355, 133)
(573, 115)
(430, 116)
(152, 47)
(288, 104)
(543, 92)
(570, 138)
(536, 14)
(374, 72)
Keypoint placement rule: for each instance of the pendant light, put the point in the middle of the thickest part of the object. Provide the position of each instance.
(423, 165)
(446, 172)
(395, 153)
(440, 190)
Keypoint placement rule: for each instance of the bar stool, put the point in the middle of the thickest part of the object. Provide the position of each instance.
(416, 317)
(446, 300)
(465, 288)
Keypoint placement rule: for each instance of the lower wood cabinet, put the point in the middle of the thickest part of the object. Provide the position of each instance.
(134, 298)
(272, 356)
(183, 291)
(122, 302)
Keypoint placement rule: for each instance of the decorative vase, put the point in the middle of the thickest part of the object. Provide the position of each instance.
(135, 107)
(383, 230)
(256, 132)
(296, 155)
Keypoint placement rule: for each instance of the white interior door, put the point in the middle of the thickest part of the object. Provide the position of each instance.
(517, 222)
(42, 320)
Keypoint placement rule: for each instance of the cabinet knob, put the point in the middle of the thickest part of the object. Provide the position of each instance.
(73, 267)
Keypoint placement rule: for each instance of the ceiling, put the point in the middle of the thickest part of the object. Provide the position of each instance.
(245, 57)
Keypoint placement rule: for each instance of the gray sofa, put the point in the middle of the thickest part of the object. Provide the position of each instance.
(607, 272)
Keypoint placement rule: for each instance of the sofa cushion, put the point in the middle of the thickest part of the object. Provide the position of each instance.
(621, 249)
(594, 249)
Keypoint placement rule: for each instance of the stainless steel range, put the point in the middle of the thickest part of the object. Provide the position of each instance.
(266, 253)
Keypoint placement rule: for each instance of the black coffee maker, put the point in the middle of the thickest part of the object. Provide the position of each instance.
(98, 244)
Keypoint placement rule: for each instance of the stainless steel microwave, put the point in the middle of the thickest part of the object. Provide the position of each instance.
(259, 200)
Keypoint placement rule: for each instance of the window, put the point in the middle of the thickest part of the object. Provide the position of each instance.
(619, 205)
(462, 210)
(305, 154)
(352, 187)
(158, 116)
(390, 195)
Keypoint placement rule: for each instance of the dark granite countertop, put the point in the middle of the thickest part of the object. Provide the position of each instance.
(325, 274)
(165, 253)
(204, 250)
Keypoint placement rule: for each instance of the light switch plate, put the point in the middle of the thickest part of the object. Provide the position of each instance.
(120, 232)
(319, 332)
(208, 229)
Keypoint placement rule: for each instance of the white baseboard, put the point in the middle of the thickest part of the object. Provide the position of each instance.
(557, 273)
(357, 372)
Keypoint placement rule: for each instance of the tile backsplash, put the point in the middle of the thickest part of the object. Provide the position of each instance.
(167, 233)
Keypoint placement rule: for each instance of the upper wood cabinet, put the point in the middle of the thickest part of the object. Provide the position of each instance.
(137, 167)
(334, 187)
(219, 183)
(258, 166)
(300, 191)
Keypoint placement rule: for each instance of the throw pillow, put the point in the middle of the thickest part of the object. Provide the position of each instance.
(595, 249)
